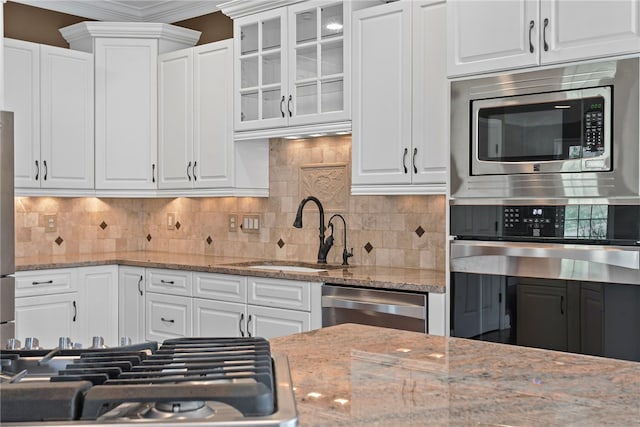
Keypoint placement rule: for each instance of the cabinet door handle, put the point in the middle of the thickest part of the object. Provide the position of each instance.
(46, 169)
(544, 34)
(404, 160)
(531, 24)
(561, 304)
(248, 327)
(75, 311)
(167, 320)
(195, 177)
(47, 282)
(240, 324)
(189, 167)
(289, 105)
(282, 106)
(140, 283)
(37, 170)
(153, 172)
(167, 282)
(413, 160)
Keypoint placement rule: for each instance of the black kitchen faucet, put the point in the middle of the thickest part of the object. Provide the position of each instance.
(325, 245)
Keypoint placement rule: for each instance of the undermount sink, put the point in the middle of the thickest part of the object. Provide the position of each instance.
(293, 268)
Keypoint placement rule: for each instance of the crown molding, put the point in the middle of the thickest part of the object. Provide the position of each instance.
(238, 8)
(109, 10)
(90, 29)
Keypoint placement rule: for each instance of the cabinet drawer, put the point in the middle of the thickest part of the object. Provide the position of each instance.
(173, 282)
(224, 287)
(279, 293)
(168, 316)
(46, 282)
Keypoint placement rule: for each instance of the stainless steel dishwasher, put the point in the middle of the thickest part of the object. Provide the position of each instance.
(376, 307)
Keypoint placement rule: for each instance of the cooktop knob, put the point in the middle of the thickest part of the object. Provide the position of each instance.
(97, 342)
(31, 343)
(13, 344)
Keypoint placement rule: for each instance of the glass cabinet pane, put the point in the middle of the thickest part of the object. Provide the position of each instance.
(306, 62)
(249, 106)
(332, 58)
(306, 23)
(249, 39)
(332, 21)
(248, 72)
(271, 68)
(271, 34)
(332, 95)
(272, 104)
(306, 98)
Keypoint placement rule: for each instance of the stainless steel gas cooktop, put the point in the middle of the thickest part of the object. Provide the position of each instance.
(189, 381)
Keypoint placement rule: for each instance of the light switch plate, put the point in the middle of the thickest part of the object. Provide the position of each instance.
(233, 222)
(50, 223)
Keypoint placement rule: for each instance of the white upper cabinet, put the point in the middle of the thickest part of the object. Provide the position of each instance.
(50, 89)
(126, 91)
(292, 65)
(195, 134)
(400, 99)
(498, 35)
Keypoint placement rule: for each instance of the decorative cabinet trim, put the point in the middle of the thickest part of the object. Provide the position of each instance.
(238, 8)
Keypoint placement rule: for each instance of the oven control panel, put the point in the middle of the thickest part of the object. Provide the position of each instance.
(534, 221)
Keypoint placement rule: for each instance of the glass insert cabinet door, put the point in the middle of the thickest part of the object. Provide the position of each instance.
(261, 69)
(317, 69)
(290, 66)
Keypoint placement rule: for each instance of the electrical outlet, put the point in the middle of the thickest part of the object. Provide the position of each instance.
(233, 222)
(171, 221)
(50, 223)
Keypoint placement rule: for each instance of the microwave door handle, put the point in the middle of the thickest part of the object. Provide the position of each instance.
(608, 256)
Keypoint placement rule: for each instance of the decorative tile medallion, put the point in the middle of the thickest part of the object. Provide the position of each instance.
(419, 231)
(178, 225)
(148, 237)
(329, 182)
(209, 240)
(368, 247)
(103, 225)
(59, 240)
(280, 243)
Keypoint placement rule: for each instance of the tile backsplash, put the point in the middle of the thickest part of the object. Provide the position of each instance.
(407, 231)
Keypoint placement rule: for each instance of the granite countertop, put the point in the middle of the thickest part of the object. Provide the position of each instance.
(354, 375)
(410, 279)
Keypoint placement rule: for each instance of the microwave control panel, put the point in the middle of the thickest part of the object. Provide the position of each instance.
(534, 221)
(593, 127)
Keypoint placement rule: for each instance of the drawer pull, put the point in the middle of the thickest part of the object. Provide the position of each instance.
(240, 324)
(167, 282)
(139, 283)
(47, 282)
(248, 327)
(167, 320)
(75, 311)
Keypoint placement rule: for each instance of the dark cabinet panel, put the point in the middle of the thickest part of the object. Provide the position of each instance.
(542, 314)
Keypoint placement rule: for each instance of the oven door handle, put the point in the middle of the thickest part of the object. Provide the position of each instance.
(417, 312)
(608, 255)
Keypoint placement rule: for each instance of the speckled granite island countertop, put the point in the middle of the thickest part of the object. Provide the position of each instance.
(354, 375)
(410, 279)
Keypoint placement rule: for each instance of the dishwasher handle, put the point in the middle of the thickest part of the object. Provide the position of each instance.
(417, 312)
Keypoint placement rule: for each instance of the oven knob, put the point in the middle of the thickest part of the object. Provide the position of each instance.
(64, 343)
(31, 343)
(97, 342)
(125, 341)
(13, 344)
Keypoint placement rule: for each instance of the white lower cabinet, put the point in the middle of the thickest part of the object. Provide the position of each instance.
(48, 317)
(218, 318)
(78, 303)
(131, 307)
(168, 316)
(269, 322)
(98, 311)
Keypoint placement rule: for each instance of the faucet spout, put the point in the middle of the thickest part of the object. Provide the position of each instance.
(324, 246)
(345, 253)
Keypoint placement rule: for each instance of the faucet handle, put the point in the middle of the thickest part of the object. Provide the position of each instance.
(345, 256)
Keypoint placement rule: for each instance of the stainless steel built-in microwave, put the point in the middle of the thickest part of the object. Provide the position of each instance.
(566, 132)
